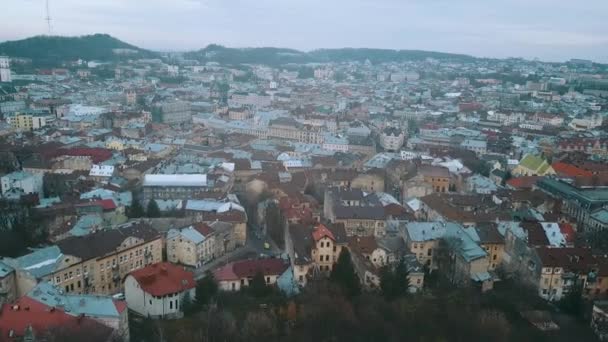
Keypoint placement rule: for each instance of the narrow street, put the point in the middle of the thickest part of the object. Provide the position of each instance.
(253, 249)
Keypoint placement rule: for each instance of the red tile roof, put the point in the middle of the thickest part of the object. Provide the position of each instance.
(16, 317)
(106, 204)
(248, 268)
(164, 278)
(321, 231)
(573, 259)
(97, 155)
(202, 228)
(526, 182)
(567, 231)
(569, 170)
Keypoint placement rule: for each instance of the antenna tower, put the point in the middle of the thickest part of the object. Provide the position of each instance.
(48, 17)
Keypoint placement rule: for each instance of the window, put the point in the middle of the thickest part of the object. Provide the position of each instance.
(327, 258)
(71, 287)
(150, 301)
(170, 304)
(321, 245)
(334, 248)
(57, 279)
(494, 257)
(267, 280)
(79, 284)
(67, 288)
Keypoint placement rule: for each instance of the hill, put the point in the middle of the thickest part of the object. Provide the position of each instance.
(278, 56)
(52, 50)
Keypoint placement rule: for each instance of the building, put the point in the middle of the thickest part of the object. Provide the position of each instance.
(240, 113)
(477, 146)
(313, 250)
(192, 245)
(158, 290)
(5, 69)
(360, 215)
(27, 319)
(578, 203)
(22, 182)
(531, 165)
(174, 187)
(97, 263)
(392, 138)
(556, 271)
(106, 310)
(598, 220)
(438, 176)
(30, 122)
(8, 290)
(237, 275)
(173, 112)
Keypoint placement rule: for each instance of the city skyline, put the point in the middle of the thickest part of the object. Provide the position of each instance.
(541, 29)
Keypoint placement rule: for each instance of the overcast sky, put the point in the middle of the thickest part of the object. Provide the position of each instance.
(548, 29)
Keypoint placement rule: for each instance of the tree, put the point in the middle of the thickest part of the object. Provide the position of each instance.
(205, 290)
(257, 285)
(187, 305)
(344, 274)
(394, 282)
(135, 210)
(153, 210)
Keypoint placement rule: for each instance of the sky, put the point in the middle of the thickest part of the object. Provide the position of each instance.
(552, 30)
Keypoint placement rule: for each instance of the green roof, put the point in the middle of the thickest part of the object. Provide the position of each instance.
(533, 162)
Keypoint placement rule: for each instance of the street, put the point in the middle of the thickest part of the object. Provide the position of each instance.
(254, 248)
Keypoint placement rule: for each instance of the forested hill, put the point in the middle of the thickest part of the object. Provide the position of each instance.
(52, 50)
(277, 56)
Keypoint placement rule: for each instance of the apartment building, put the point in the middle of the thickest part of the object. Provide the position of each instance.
(313, 250)
(97, 263)
(192, 245)
(173, 187)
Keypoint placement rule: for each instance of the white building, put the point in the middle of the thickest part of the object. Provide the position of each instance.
(24, 182)
(392, 138)
(335, 143)
(158, 290)
(477, 146)
(5, 71)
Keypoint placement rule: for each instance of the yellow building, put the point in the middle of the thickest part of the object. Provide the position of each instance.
(99, 262)
(28, 122)
(313, 250)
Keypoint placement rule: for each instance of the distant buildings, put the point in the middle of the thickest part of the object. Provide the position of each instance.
(22, 183)
(173, 112)
(5, 71)
(392, 138)
(173, 187)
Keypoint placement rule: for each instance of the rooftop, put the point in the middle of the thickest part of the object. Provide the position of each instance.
(176, 180)
(164, 278)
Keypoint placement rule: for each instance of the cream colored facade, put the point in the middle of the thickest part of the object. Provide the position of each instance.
(363, 227)
(325, 254)
(424, 251)
(495, 252)
(27, 122)
(105, 274)
(551, 284)
(182, 250)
